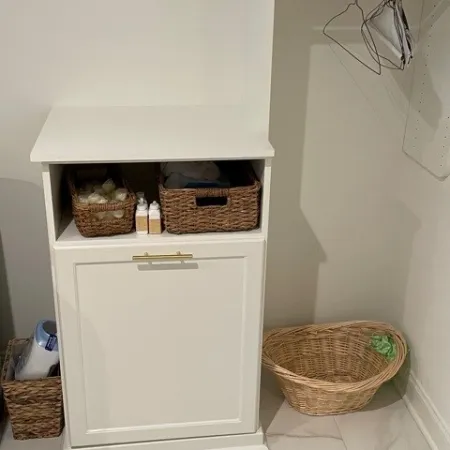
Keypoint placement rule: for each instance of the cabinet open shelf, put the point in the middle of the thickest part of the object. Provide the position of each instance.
(69, 237)
(140, 177)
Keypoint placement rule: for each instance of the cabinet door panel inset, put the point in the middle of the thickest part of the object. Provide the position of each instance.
(163, 349)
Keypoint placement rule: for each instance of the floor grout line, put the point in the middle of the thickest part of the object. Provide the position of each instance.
(340, 432)
(294, 436)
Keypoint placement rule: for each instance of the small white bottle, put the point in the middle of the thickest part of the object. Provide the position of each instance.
(142, 217)
(154, 219)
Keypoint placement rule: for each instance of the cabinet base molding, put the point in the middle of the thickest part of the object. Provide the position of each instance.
(253, 441)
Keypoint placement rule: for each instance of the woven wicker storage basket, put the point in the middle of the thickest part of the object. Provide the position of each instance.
(2, 402)
(85, 215)
(35, 407)
(183, 210)
(331, 368)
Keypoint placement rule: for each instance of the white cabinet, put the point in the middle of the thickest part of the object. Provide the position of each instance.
(160, 335)
(165, 346)
(162, 352)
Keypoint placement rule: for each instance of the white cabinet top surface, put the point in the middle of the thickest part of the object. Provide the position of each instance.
(136, 134)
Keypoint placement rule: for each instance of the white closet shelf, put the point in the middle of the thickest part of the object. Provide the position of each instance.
(136, 134)
(70, 237)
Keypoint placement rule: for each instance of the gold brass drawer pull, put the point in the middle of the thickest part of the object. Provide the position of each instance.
(177, 256)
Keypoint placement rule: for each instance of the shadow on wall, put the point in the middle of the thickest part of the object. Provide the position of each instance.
(24, 259)
(294, 253)
(364, 271)
(6, 319)
(371, 272)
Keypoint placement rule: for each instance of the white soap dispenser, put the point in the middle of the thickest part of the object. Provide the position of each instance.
(142, 217)
(154, 219)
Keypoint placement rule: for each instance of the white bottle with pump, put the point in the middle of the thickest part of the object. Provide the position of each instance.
(154, 219)
(142, 217)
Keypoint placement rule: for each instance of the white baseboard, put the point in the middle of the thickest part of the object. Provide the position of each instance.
(424, 412)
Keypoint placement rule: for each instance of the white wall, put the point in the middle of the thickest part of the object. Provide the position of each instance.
(341, 242)
(360, 231)
(357, 229)
(100, 53)
(427, 296)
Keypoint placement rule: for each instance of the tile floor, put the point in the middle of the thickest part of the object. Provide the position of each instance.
(384, 425)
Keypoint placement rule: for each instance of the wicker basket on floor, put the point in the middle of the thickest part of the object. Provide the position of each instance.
(331, 368)
(35, 407)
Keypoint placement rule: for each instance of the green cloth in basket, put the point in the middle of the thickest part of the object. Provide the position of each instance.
(384, 345)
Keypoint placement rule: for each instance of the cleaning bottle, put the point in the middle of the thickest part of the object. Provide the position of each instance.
(142, 217)
(40, 354)
(154, 219)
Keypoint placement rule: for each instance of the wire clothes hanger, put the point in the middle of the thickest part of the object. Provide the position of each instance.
(401, 28)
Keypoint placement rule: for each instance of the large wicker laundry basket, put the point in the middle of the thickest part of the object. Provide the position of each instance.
(331, 368)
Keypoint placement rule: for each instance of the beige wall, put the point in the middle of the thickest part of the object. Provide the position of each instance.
(427, 295)
(340, 240)
(357, 229)
(25, 284)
